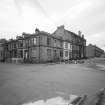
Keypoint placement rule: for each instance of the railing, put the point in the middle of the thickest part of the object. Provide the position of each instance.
(78, 100)
(96, 99)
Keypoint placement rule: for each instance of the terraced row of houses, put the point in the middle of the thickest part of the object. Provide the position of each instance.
(94, 51)
(45, 47)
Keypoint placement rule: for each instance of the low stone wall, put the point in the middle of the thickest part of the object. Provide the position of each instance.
(16, 60)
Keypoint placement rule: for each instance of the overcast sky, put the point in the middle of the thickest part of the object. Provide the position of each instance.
(17, 16)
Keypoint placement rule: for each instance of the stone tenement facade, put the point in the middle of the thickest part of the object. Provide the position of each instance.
(45, 47)
(2, 53)
(74, 46)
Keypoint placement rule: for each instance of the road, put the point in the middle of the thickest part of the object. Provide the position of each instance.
(21, 83)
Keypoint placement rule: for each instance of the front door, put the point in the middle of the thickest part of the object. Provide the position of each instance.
(25, 54)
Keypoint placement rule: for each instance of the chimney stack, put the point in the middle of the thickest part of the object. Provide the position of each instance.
(37, 30)
(79, 33)
(83, 36)
(62, 26)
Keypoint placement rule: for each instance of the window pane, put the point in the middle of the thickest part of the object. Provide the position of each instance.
(34, 41)
(48, 52)
(48, 41)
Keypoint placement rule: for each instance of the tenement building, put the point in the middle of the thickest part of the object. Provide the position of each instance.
(45, 47)
(74, 45)
(93, 51)
(2, 53)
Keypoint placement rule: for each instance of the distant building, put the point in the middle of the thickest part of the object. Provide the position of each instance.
(2, 54)
(93, 51)
(45, 47)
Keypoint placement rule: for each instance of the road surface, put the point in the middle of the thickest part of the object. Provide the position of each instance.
(21, 83)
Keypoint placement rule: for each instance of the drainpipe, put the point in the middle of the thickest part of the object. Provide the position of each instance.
(39, 48)
(95, 52)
